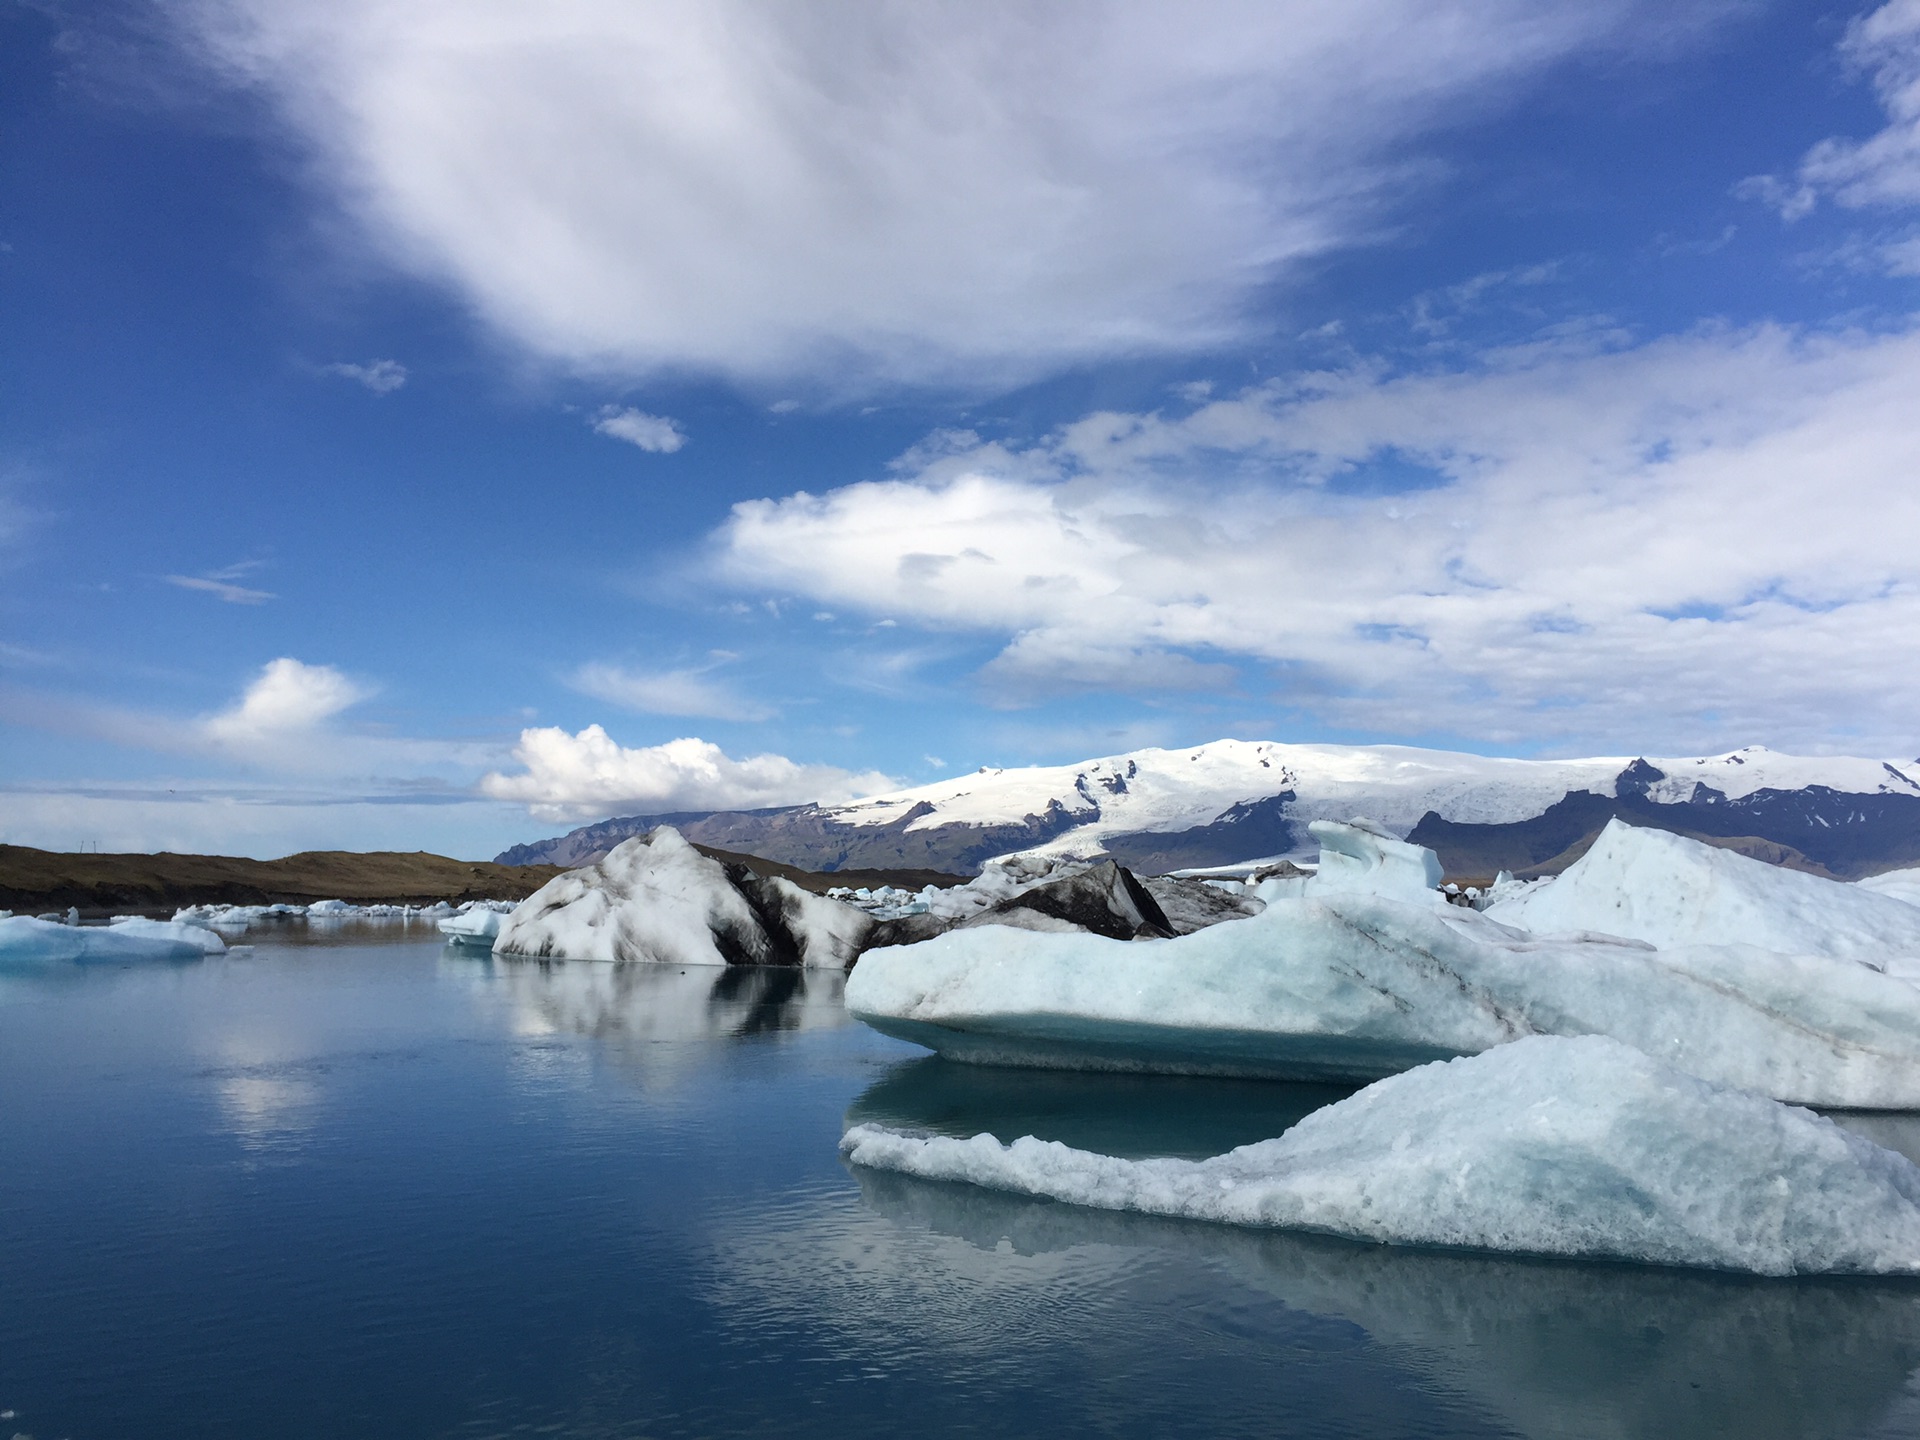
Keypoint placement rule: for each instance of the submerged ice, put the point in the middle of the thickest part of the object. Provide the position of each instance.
(1578, 1147)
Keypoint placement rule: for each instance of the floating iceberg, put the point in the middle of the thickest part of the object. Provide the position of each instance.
(1671, 891)
(1902, 885)
(477, 922)
(26, 942)
(658, 898)
(1354, 986)
(1550, 1146)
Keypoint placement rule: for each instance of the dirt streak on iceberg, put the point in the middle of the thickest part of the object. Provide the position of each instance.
(1551, 1146)
(1367, 973)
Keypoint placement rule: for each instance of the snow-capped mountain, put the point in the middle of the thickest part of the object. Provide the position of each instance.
(1235, 800)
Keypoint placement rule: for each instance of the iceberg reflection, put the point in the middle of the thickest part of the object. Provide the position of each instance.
(638, 1003)
(1555, 1349)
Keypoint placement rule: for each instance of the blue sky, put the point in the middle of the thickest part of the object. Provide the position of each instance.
(818, 399)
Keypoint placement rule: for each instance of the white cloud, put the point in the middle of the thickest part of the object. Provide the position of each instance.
(1883, 169)
(589, 775)
(655, 433)
(382, 377)
(688, 692)
(944, 191)
(220, 583)
(289, 699)
(1694, 541)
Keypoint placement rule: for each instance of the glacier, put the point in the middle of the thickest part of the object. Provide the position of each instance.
(1572, 1147)
(1337, 981)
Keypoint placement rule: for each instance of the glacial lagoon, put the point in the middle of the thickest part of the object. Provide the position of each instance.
(356, 1182)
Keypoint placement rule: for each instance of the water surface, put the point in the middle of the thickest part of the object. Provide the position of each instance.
(385, 1189)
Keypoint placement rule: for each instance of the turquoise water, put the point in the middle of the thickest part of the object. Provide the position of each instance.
(385, 1190)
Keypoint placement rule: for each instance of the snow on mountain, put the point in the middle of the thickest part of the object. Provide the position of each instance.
(1237, 800)
(1161, 791)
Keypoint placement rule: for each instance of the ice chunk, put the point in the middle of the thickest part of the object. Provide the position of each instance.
(1549, 1146)
(478, 926)
(658, 898)
(1903, 885)
(1191, 905)
(1103, 899)
(1357, 987)
(28, 943)
(1669, 890)
(171, 932)
(1360, 858)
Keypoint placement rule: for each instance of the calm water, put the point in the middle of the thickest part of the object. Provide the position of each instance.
(379, 1189)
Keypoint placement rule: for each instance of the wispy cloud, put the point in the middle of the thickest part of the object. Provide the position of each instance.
(862, 196)
(590, 775)
(382, 377)
(691, 691)
(225, 589)
(224, 583)
(1884, 169)
(655, 433)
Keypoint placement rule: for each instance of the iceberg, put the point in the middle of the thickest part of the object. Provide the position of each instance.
(476, 923)
(1671, 891)
(1354, 986)
(29, 943)
(1902, 885)
(1572, 1147)
(658, 898)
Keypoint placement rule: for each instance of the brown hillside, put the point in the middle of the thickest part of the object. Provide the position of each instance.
(39, 880)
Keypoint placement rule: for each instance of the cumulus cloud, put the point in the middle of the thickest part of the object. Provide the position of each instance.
(690, 692)
(1884, 169)
(589, 775)
(288, 699)
(1687, 542)
(953, 190)
(382, 377)
(655, 433)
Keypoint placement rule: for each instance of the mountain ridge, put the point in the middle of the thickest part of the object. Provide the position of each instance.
(1156, 810)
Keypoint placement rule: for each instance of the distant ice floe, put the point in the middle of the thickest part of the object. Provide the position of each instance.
(237, 918)
(1576, 1147)
(27, 943)
(1361, 972)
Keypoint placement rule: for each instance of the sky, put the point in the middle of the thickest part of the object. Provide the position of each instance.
(429, 424)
